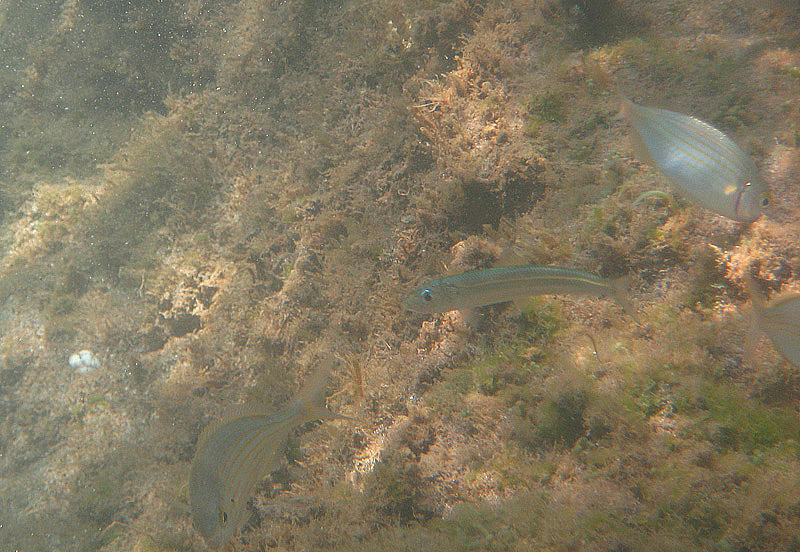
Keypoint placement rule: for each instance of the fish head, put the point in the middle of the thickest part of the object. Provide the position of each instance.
(429, 299)
(211, 515)
(753, 199)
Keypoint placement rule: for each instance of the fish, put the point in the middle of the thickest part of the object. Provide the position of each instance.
(779, 319)
(497, 285)
(236, 452)
(701, 162)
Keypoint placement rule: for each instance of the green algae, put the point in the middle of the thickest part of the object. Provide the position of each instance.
(560, 417)
(740, 424)
(541, 109)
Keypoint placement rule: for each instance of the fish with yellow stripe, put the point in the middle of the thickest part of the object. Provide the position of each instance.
(779, 319)
(236, 452)
(700, 161)
(508, 283)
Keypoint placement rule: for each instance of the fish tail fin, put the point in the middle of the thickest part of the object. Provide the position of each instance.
(625, 106)
(629, 112)
(751, 287)
(751, 343)
(759, 306)
(312, 397)
(620, 288)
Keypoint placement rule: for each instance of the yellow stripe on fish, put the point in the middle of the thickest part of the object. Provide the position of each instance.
(235, 453)
(497, 285)
(700, 161)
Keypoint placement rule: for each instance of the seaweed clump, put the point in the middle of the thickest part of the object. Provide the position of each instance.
(162, 178)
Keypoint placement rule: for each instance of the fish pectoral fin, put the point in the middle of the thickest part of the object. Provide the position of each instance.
(470, 318)
(730, 189)
(519, 306)
(180, 507)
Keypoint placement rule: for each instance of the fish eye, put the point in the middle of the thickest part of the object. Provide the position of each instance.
(426, 295)
(748, 183)
(764, 201)
(223, 516)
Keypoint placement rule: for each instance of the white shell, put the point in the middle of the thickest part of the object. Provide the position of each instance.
(83, 361)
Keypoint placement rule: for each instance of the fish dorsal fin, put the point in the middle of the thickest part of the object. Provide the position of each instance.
(509, 257)
(621, 288)
(759, 307)
(233, 413)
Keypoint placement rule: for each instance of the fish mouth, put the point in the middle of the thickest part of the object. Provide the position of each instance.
(742, 210)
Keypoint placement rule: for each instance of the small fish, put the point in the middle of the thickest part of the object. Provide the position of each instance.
(235, 453)
(779, 319)
(701, 162)
(497, 285)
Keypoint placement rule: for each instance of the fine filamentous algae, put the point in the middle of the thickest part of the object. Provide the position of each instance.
(497, 285)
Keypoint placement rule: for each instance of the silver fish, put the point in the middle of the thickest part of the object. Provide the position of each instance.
(701, 162)
(497, 285)
(779, 319)
(235, 453)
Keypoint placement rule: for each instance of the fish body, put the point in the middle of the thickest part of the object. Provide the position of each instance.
(703, 163)
(497, 285)
(234, 454)
(779, 319)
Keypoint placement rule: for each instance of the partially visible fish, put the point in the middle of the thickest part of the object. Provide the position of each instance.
(235, 453)
(779, 319)
(701, 162)
(497, 285)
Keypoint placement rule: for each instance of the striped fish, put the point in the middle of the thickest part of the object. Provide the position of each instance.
(497, 285)
(701, 162)
(235, 453)
(779, 319)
